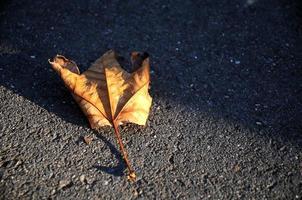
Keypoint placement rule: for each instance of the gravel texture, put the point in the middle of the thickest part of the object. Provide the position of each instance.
(226, 119)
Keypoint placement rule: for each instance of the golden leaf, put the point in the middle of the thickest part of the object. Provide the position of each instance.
(107, 94)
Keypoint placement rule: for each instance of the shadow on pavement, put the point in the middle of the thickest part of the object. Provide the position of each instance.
(117, 170)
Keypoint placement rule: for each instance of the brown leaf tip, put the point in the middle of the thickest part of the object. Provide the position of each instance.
(60, 62)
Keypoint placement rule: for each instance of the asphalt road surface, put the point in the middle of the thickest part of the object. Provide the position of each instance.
(226, 118)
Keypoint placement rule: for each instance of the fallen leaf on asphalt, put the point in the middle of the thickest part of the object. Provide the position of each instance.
(107, 94)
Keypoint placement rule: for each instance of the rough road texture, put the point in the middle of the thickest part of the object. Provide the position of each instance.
(226, 118)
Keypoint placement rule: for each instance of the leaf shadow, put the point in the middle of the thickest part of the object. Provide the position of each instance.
(117, 170)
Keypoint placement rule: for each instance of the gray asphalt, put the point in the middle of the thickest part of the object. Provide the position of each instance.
(226, 117)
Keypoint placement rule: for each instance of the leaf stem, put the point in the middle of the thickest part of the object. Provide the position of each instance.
(131, 175)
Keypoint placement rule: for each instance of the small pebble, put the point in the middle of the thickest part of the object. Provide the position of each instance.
(135, 192)
(19, 162)
(271, 185)
(33, 57)
(250, 2)
(53, 192)
(88, 139)
(259, 123)
(237, 62)
(51, 175)
(64, 183)
(90, 180)
(283, 148)
(236, 168)
(83, 179)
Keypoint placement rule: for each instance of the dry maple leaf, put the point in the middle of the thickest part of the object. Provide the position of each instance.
(107, 94)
